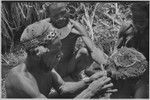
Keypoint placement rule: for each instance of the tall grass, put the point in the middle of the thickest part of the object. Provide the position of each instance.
(16, 16)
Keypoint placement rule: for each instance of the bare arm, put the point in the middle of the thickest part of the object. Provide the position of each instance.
(73, 88)
(95, 87)
(67, 88)
(98, 55)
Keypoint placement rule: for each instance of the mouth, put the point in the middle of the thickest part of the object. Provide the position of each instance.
(54, 62)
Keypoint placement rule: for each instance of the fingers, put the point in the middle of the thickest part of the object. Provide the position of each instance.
(106, 80)
(72, 22)
(102, 79)
(108, 85)
(41, 50)
(70, 25)
(107, 95)
(98, 75)
(76, 24)
(99, 83)
(111, 90)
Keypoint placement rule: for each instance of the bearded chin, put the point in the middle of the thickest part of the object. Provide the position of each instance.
(45, 66)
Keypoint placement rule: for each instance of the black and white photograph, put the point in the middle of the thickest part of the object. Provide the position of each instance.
(75, 49)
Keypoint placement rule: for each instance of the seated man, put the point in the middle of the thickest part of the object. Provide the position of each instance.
(36, 76)
(73, 63)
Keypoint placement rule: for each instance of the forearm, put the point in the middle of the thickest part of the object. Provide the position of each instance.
(88, 42)
(73, 88)
(97, 55)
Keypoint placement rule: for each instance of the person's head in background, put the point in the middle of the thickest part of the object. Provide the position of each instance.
(137, 35)
(58, 14)
(140, 17)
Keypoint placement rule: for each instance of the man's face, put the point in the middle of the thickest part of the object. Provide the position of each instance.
(52, 57)
(61, 19)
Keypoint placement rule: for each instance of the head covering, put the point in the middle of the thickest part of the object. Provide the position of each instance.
(38, 32)
(35, 33)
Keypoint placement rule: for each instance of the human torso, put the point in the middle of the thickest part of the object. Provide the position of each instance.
(19, 81)
(68, 45)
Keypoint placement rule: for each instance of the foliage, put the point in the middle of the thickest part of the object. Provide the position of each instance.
(101, 19)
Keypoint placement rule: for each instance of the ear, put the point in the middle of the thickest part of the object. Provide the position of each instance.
(41, 50)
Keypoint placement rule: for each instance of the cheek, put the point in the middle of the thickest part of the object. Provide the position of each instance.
(50, 60)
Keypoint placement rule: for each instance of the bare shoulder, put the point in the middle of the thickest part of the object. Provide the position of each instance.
(18, 69)
(14, 74)
(20, 80)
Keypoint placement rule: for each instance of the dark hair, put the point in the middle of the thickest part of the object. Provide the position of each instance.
(140, 41)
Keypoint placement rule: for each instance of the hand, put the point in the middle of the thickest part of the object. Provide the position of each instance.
(106, 94)
(99, 85)
(41, 50)
(97, 75)
(78, 28)
(126, 28)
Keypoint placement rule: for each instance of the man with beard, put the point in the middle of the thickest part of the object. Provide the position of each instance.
(36, 76)
(73, 62)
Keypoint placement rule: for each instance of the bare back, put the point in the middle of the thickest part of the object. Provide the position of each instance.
(22, 84)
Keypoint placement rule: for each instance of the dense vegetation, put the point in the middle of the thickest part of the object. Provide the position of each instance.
(102, 20)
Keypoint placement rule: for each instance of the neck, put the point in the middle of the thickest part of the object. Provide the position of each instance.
(35, 65)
